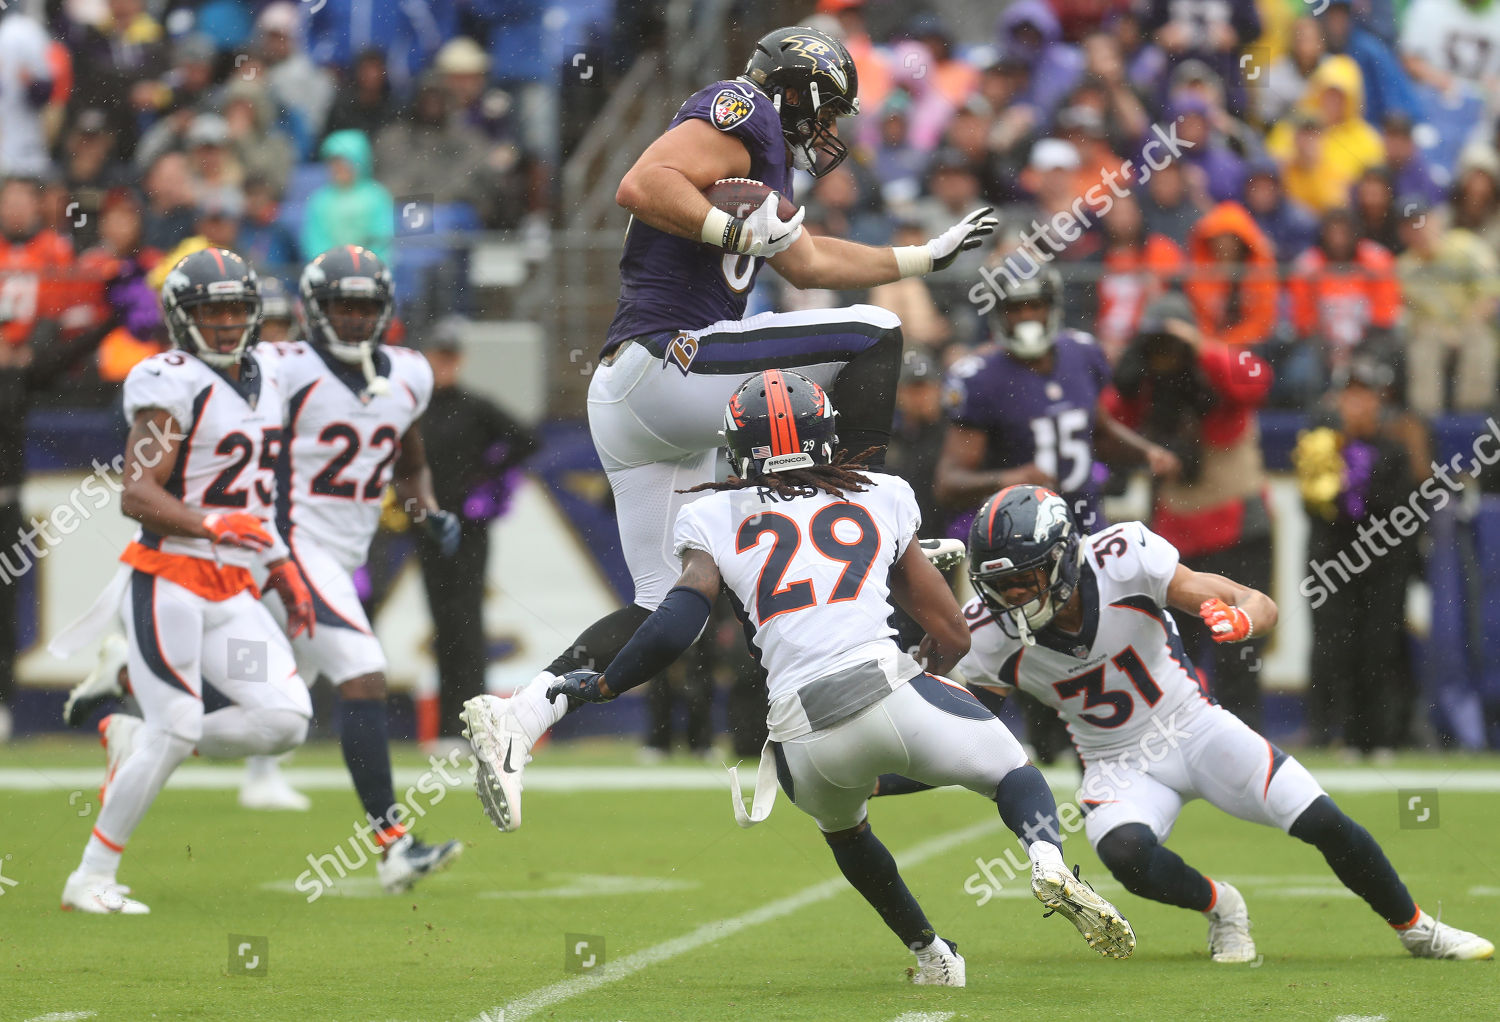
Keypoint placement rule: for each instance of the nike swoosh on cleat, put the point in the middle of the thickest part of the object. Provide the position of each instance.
(506, 765)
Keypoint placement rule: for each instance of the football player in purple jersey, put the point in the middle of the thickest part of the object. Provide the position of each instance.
(678, 347)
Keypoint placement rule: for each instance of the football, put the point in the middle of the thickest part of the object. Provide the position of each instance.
(739, 196)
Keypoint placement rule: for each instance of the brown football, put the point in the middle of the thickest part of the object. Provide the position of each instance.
(740, 196)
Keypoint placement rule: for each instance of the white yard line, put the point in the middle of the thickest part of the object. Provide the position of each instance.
(64, 1016)
(661, 778)
(924, 1016)
(709, 933)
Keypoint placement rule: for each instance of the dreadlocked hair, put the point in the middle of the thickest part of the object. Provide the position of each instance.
(842, 475)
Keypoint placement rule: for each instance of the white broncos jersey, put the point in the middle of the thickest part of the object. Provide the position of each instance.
(230, 437)
(1125, 674)
(813, 572)
(342, 444)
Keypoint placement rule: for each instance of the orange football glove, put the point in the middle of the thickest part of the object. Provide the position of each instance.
(286, 578)
(238, 529)
(1228, 624)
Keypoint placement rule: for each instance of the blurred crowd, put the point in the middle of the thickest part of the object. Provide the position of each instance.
(135, 131)
(1319, 180)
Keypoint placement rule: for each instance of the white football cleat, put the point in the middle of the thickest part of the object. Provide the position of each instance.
(117, 734)
(1229, 937)
(98, 894)
(502, 748)
(268, 789)
(407, 860)
(1432, 938)
(943, 553)
(102, 684)
(938, 964)
(1065, 893)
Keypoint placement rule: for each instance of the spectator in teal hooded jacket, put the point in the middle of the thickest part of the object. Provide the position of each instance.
(352, 208)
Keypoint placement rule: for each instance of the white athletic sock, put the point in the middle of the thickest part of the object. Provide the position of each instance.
(532, 708)
(258, 768)
(135, 786)
(1046, 852)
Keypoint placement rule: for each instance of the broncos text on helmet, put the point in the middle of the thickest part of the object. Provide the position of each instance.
(777, 421)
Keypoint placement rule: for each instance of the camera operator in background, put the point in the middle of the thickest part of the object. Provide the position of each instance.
(1198, 398)
(1355, 467)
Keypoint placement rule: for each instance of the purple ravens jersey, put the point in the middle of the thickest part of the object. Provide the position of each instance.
(669, 283)
(1028, 417)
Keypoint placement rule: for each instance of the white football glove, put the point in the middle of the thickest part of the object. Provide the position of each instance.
(763, 233)
(968, 233)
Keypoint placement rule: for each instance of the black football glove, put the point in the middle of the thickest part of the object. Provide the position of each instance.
(582, 686)
(443, 528)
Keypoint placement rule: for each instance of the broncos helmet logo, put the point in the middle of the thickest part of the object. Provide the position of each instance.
(1053, 511)
(823, 56)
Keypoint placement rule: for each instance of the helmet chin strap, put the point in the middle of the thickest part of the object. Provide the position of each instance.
(374, 382)
(1023, 628)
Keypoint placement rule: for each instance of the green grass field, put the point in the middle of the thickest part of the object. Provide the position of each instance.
(699, 920)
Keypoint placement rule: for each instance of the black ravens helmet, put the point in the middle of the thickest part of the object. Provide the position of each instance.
(778, 421)
(811, 80)
(211, 304)
(1025, 556)
(1028, 338)
(347, 305)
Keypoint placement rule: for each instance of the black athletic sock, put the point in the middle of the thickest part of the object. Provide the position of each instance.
(865, 397)
(363, 734)
(895, 784)
(596, 645)
(1027, 806)
(1148, 869)
(871, 871)
(1357, 860)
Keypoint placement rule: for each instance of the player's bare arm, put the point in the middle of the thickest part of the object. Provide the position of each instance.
(1234, 612)
(960, 482)
(412, 478)
(824, 262)
(665, 186)
(920, 589)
